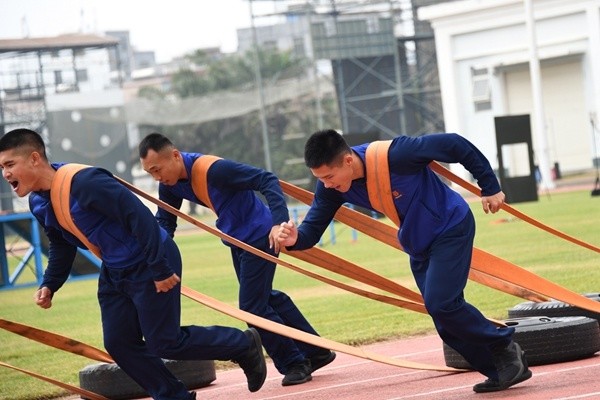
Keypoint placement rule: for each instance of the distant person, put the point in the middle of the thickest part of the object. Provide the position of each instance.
(139, 288)
(230, 187)
(437, 230)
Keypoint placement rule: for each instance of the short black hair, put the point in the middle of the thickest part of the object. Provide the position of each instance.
(324, 147)
(23, 138)
(154, 141)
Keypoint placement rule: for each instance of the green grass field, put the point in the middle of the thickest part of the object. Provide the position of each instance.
(335, 314)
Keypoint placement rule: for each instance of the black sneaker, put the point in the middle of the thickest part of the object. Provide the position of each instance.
(253, 362)
(320, 360)
(512, 368)
(297, 374)
(192, 396)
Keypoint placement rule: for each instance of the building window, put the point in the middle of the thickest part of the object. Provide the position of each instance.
(58, 77)
(81, 75)
(481, 91)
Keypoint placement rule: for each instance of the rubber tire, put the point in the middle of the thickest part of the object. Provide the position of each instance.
(546, 340)
(111, 381)
(553, 308)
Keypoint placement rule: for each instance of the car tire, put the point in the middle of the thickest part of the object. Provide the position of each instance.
(546, 340)
(553, 308)
(111, 381)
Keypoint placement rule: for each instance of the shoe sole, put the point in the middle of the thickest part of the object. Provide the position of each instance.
(263, 364)
(521, 378)
(307, 379)
(327, 361)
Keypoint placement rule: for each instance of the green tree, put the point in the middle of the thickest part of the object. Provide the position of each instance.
(187, 83)
(151, 93)
(234, 71)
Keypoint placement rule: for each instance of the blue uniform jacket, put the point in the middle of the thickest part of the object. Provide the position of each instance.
(427, 207)
(111, 217)
(231, 187)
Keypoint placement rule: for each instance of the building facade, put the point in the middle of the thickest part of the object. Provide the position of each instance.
(484, 51)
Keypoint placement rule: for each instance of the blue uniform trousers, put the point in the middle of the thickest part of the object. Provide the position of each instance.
(141, 327)
(255, 276)
(441, 279)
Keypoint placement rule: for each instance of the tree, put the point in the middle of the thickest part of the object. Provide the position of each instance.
(151, 93)
(187, 83)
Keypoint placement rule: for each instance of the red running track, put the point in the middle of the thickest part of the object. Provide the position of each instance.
(352, 378)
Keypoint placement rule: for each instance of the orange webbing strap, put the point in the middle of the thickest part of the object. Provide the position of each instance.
(380, 191)
(306, 337)
(55, 340)
(199, 178)
(446, 173)
(314, 256)
(388, 234)
(346, 268)
(60, 193)
(378, 180)
(410, 304)
(273, 326)
(482, 261)
(506, 287)
(510, 272)
(86, 394)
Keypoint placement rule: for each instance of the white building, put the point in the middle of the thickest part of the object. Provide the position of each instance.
(483, 51)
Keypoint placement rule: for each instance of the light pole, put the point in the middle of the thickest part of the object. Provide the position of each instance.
(261, 93)
(538, 103)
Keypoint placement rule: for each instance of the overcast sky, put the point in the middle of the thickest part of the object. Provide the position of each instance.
(169, 27)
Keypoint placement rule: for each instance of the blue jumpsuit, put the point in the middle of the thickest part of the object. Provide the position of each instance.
(437, 231)
(242, 215)
(139, 325)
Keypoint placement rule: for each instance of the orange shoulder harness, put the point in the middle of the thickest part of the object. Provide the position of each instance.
(199, 178)
(60, 193)
(379, 185)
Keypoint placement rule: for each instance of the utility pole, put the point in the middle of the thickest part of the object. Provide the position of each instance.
(538, 103)
(261, 93)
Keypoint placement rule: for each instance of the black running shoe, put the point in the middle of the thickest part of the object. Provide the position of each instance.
(253, 361)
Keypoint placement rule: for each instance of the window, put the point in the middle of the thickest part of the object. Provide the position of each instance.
(81, 75)
(481, 91)
(58, 77)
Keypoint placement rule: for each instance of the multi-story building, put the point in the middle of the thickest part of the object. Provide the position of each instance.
(63, 88)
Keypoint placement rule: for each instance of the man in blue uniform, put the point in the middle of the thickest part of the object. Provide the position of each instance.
(139, 283)
(437, 232)
(230, 191)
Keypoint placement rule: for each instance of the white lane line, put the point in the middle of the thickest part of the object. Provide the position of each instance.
(330, 387)
(581, 396)
(535, 375)
(326, 369)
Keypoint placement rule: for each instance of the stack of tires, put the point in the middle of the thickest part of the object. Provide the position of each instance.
(549, 332)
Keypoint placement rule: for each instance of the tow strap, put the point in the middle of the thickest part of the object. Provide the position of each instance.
(306, 337)
(376, 160)
(488, 263)
(388, 234)
(55, 340)
(446, 173)
(313, 256)
(74, 389)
